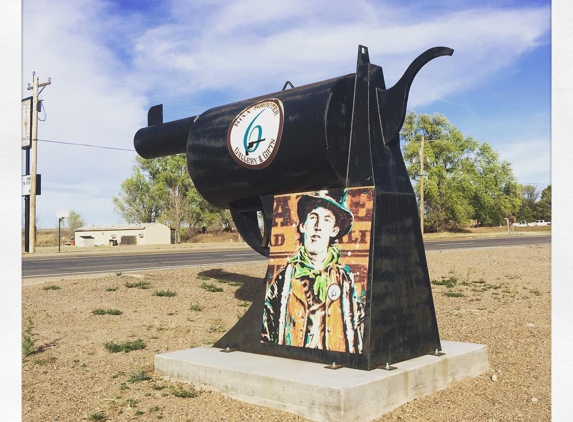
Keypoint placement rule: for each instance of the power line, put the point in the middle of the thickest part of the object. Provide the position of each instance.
(85, 145)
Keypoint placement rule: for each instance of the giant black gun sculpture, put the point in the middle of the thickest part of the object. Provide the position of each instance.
(263, 155)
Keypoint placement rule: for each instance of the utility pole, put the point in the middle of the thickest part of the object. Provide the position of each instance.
(422, 180)
(34, 157)
(422, 185)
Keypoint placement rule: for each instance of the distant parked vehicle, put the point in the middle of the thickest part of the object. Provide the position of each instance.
(521, 223)
(540, 223)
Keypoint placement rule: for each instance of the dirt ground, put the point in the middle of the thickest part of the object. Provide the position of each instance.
(500, 297)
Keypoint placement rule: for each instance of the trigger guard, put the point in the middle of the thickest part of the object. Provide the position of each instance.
(247, 224)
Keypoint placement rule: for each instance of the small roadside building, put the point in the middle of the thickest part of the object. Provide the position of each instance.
(124, 234)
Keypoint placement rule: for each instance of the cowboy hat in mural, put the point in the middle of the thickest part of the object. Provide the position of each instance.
(312, 302)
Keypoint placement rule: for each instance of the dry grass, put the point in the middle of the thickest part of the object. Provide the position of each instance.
(504, 302)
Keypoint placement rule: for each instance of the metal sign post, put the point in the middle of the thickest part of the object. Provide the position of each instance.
(61, 214)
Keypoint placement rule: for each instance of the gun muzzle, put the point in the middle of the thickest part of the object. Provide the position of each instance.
(162, 139)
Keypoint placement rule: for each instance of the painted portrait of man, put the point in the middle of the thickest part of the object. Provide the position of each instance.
(313, 301)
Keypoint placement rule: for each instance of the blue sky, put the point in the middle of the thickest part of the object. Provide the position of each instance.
(109, 61)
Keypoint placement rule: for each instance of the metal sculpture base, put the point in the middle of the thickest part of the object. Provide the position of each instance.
(309, 390)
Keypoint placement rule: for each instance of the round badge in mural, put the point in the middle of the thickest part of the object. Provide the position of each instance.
(254, 135)
(333, 292)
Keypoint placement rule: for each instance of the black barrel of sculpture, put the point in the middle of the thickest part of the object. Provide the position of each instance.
(314, 140)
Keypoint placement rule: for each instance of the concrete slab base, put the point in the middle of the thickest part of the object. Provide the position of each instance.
(314, 392)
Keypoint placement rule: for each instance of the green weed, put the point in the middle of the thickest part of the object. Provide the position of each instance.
(184, 393)
(230, 283)
(139, 285)
(111, 289)
(216, 329)
(119, 374)
(453, 294)
(138, 377)
(469, 272)
(203, 277)
(164, 293)
(100, 311)
(211, 287)
(195, 307)
(448, 282)
(45, 361)
(163, 328)
(100, 416)
(126, 347)
(51, 287)
(29, 338)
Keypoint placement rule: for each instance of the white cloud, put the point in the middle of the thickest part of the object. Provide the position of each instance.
(529, 160)
(87, 102)
(235, 48)
(109, 65)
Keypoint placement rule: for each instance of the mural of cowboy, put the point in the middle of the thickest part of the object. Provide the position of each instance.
(312, 301)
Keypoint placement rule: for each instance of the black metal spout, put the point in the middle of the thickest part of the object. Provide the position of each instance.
(392, 102)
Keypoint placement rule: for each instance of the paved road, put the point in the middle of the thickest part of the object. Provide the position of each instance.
(106, 263)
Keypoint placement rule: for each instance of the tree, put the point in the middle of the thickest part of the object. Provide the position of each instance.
(543, 207)
(496, 193)
(463, 179)
(74, 221)
(161, 190)
(136, 202)
(527, 210)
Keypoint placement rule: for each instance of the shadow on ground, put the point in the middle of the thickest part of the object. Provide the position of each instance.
(248, 285)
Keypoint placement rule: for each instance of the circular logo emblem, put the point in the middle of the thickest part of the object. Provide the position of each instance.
(255, 134)
(333, 292)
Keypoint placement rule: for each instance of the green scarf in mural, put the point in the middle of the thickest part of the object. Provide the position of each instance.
(304, 268)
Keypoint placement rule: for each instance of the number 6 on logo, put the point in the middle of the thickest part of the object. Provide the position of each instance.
(254, 135)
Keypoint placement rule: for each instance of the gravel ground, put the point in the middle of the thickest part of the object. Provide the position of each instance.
(501, 298)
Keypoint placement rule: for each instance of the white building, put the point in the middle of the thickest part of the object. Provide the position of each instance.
(126, 234)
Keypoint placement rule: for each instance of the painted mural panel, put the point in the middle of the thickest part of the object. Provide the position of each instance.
(317, 280)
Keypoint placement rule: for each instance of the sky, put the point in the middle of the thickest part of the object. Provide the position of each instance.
(109, 61)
